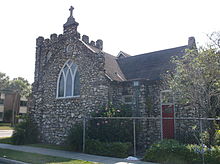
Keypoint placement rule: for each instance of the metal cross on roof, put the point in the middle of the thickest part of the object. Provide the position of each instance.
(71, 10)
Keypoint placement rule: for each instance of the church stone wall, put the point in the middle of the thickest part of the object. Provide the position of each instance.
(145, 102)
(55, 116)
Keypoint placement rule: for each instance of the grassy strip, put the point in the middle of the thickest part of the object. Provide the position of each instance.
(38, 158)
(5, 126)
(5, 140)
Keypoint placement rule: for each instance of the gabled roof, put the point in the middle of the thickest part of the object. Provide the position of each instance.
(150, 65)
(147, 66)
(112, 69)
(122, 54)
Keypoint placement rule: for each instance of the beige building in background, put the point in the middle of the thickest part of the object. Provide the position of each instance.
(11, 101)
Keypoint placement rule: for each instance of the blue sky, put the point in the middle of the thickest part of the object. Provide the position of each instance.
(133, 26)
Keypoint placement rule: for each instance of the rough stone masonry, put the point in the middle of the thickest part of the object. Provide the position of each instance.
(103, 78)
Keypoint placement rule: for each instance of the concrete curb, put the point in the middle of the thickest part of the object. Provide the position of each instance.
(10, 161)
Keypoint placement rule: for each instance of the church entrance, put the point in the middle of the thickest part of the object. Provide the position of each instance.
(167, 114)
(168, 121)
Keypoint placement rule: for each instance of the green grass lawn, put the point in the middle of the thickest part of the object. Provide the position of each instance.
(5, 126)
(5, 140)
(37, 158)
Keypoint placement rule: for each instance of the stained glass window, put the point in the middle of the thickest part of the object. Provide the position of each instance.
(68, 81)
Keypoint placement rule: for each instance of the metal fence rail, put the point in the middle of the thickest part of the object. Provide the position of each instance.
(183, 126)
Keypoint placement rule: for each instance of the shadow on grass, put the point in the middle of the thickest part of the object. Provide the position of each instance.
(38, 158)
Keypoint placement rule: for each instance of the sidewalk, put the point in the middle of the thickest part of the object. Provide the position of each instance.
(72, 155)
(6, 133)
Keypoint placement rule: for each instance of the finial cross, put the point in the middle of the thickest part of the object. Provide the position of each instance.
(71, 10)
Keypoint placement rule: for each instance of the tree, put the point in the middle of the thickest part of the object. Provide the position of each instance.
(4, 81)
(195, 80)
(20, 85)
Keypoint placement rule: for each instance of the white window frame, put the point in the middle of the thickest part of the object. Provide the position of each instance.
(73, 74)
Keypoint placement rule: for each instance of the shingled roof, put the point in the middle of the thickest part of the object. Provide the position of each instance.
(149, 65)
(112, 69)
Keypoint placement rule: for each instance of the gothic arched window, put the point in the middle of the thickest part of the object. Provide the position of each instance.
(68, 84)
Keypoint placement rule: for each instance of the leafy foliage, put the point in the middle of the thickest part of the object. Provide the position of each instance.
(20, 85)
(172, 152)
(111, 130)
(25, 132)
(7, 115)
(112, 149)
(4, 80)
(195, 82)
(217, 137)
(74, 140)
(104, 137)
(168, 151)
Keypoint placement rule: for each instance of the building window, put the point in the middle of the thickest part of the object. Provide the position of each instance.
(23, 103)
(127, 99)
(68, 84)
(1, 116)
(1, 101)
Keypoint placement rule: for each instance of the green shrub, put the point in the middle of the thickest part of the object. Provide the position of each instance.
(206, 136)
(74, 139)
(212, 155)
(168, 151)
(217, 137)
(25, 132)
(104, 137)
(8, 115)
(111, 130)
(113, 149)
(172, 152)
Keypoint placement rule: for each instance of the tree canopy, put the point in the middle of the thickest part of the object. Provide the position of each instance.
(195, 80)
(19, 85)
(4, 81)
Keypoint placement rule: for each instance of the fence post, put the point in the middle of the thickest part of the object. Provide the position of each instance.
(200, 125)
(84, 134)
(134, 134)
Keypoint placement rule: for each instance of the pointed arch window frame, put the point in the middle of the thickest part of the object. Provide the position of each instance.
(69, 64)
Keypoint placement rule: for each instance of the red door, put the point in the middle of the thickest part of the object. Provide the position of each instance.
(168, 124)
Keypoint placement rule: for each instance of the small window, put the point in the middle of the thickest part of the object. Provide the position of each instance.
(166, 97)
(1, 101)
(23, 103)
(1, 116)
(127, 99)
(68, 84)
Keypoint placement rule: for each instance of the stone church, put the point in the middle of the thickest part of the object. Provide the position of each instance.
(74, 77)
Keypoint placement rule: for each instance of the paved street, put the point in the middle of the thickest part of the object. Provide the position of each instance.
(6, 133)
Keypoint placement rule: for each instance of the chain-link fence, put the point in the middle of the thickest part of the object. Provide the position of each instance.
(141, 132)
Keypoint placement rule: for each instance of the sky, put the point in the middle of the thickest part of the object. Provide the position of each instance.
(132, 26)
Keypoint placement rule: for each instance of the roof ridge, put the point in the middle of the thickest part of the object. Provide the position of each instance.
(148, 53)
